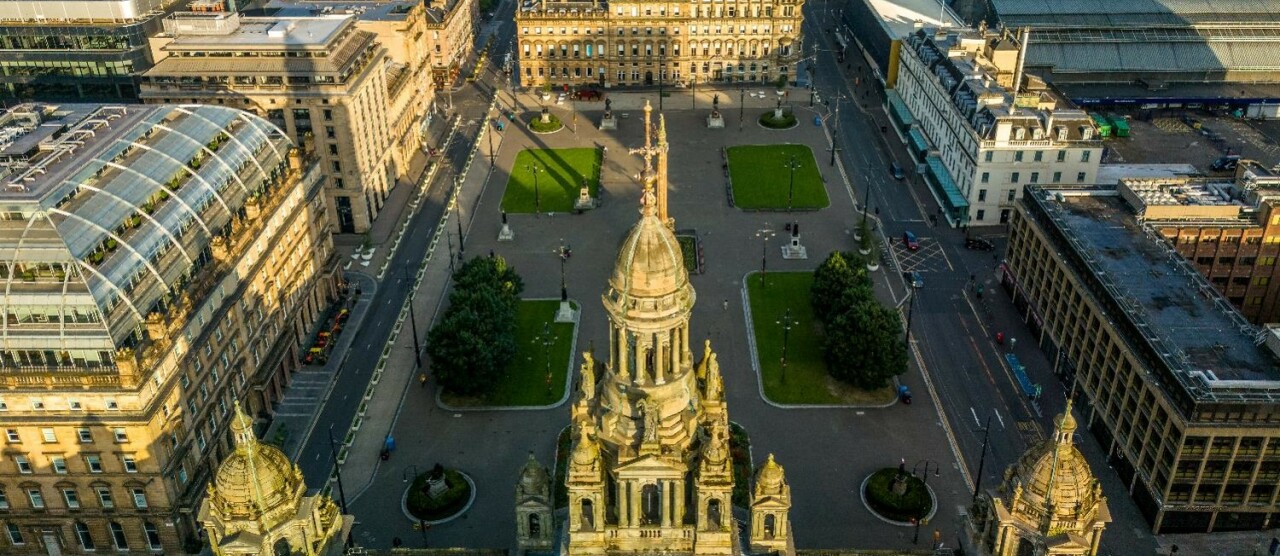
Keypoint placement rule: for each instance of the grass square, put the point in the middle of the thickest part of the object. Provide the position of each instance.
(807, 381)
(525, 383)
(560, 175)
(761, 177)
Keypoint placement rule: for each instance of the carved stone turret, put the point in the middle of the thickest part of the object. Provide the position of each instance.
(770, 505)
(534, 525)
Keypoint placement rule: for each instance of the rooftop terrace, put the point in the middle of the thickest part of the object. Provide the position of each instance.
(1207, 345)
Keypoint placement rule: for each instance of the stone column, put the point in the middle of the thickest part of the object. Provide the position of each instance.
(642, 361)
(635, 503)
(659, 359)
(679, 513)
(623, 504)
(664, 487)
(1097, 537)
(623, 368)
(684, 344)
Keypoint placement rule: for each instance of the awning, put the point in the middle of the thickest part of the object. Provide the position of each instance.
(945, 186)
(898, 108)
(919, 145)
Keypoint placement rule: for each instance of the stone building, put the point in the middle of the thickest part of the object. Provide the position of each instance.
(982, 130)
(1049, 504)
(534, 525)
(327, 83)
(452, 26)
(650, 467)
(257, 504)
(1178, 387)
(160, 262)
(628, 43)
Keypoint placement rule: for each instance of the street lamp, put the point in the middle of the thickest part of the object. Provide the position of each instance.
(563, 253)
(982, 460)
(924, 478)
(911, 309)
(413, 321)
(792, 165)
(537, 194)
(457, 208)
(764, 234)
(546, 340)
(787, 322)
(742, 106)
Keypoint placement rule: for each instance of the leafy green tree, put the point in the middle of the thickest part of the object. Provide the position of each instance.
(474, 341)
(831, 280)
(864, 343)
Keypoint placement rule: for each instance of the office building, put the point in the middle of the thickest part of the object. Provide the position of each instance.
(1181, 391)
(161, 263)
(452, 25)
(576, 43)
(321, 79)
(980, 129)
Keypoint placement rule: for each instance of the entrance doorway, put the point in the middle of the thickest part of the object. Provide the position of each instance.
(51, 544)
(648, 78)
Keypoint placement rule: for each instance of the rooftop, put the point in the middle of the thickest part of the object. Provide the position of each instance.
(386, 10)
(197, 30)
(1111, 174)
(1206, 344)
(1140, 13)
(900, 18)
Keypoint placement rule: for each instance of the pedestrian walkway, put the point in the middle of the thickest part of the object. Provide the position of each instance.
(310, 386)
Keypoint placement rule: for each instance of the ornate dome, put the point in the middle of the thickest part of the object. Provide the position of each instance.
(533, 478)
(255, 480)
(585, 451)
(770, 478)
(1055, 472)
(650, 263)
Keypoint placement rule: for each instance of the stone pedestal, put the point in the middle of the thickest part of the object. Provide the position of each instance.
(608, 122)
(793, 249)
(584, 202)
(566, 312)
(899, 486)
(546, 116)
(436, 487)
(715, 120)
(506, 234)
(777, 113)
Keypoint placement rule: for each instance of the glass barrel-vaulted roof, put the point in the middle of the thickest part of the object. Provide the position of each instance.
(114, 213)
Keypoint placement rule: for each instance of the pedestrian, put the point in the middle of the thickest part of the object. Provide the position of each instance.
(726, 304)
(422, 379)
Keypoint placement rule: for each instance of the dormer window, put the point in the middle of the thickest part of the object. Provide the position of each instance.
(1062, 133)
(1037, 134)
(1086, 133)
(1020, 134)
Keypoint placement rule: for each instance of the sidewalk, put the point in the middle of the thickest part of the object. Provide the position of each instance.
(309, 388)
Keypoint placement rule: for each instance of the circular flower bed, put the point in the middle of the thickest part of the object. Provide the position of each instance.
(915, 503)
(553, 124)
(787, 121)
(448, 503)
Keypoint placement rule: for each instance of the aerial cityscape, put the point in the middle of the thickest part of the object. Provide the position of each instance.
(631, 277)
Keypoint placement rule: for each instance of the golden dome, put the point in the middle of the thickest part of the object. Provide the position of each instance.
(1056, 473)
(650, 263)
(771, 476)
(255, 480)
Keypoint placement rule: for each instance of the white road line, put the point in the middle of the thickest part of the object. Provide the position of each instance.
(999, 418)
(975, 416)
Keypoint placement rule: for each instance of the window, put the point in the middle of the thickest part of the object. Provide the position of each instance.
(981, 214)
(986, 177)
(1084, 155)
(123, 436)
(84, 536)
(112, 405)
(24, 466)
(1080, 177)
(1017, 156)
(15, 535)
(1057, 177)
(4, 500)
(1039, 156)
(104, 496)
(130, 463)
(47, 434)
(1014, 177)
(12, 435)
(982, 194)
(1035, 177)
(36, 499)
(1010, 194)
(153, 536)
(74, 405)
(986, 156)
(94, 463)
(59, 464)
(117, 536)
(84, 434)
(139, 497)
(73, 499)
(1062, 156)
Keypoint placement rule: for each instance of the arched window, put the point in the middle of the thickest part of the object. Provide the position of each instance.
(281, 548)
(588, 515)
(713, 514)
(535, 525)
(770, 526)
(651, 504)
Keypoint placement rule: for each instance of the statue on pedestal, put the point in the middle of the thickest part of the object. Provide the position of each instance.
(608, 121)
(715, 120)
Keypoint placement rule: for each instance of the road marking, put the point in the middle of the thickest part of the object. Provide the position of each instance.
(999, 418)
(975, 416)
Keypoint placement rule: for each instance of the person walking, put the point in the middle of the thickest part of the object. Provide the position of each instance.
(726, 304)
(422, 379)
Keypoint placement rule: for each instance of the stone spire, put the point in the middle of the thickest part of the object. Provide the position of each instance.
(663, 156)
(652, 203)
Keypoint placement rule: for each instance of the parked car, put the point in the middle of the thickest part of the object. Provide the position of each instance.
(1225, 163)
(914, 278)
(978, 244)
(588, 94)
(560, 99)
(896, 171)
(909, 239)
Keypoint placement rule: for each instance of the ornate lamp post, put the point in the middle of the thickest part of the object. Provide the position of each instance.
(792, 165)
(764, 234)
(924, 478)
(413, 321)
(787, 322)
(537, 193)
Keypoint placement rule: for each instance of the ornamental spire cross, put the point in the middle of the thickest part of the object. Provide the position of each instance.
(649, 179)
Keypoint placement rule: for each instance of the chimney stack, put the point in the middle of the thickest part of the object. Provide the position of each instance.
(1024, 39)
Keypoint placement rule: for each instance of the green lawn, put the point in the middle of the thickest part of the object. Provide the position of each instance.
(526, 379)
(807, 381)
(761, 177)
(689, 248)
(560, 175)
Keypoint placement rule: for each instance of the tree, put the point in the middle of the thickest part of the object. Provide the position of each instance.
(474, 341)
(831, 280)
(864, 343)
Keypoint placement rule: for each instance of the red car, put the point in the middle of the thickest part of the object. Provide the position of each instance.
(588, 94)
(909, 239)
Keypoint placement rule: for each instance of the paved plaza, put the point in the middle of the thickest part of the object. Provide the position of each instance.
(492, 445)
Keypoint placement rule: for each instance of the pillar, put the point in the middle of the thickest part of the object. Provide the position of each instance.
(622, 368)
(1097, 537)
(635, 503)
(642, 360)
(659, 359)
(679, 513)
(668, 506)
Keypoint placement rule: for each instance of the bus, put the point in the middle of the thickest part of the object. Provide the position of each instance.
(842, 44)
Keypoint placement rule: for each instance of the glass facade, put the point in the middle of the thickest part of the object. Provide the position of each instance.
(51, 62)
